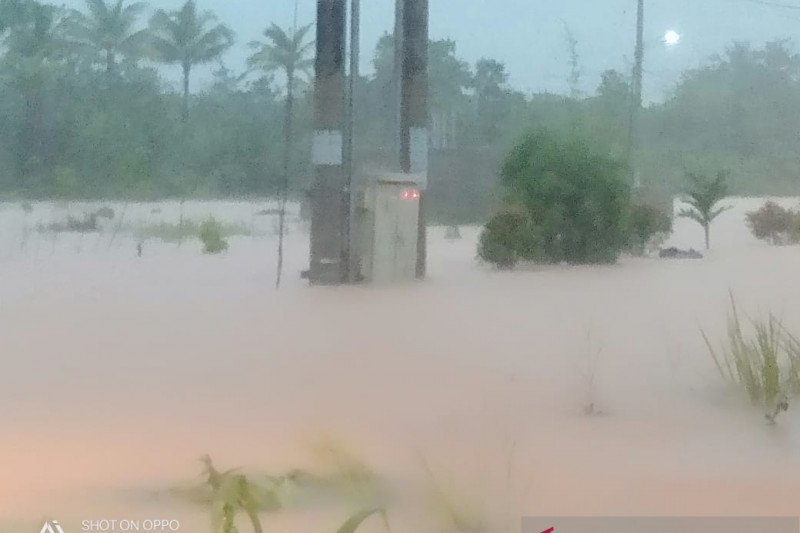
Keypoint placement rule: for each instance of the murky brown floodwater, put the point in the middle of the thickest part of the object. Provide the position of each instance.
(119, 372)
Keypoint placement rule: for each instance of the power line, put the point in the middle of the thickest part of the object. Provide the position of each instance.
(770, 3)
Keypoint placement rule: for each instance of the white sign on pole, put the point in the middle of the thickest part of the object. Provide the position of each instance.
(326, 148)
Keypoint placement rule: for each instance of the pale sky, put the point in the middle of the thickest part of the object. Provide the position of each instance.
(529, 35)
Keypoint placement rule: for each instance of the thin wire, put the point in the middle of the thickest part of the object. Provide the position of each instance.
(770, 3)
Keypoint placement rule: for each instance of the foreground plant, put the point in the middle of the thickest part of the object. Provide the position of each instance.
(343, 480)
(355, 521)
(456, 513)
(764, 363)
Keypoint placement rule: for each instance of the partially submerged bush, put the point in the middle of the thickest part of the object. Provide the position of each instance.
(649, 228)
(775, 224)
(86, 224)
(187, 229)
(508, 238)
(105, 212)
(575, 197)
(211, 234)
(763, 363)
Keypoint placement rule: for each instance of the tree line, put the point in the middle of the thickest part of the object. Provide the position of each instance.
(86, 112)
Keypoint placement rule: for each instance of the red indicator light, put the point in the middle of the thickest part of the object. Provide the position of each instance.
(411, 194)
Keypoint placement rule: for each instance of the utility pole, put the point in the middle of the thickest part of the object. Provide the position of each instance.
(351, 253)
(329, 193)
(636, 89)
(397, 79)
(413, 66)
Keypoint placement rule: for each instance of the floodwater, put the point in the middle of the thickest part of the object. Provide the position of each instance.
(119, 372)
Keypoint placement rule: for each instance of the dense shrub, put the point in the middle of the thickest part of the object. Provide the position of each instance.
(775, 224)
(212, 236)
(508, 238)
(649, 226)
(575, 197)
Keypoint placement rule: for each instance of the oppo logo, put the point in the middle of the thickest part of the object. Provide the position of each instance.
(52, 527)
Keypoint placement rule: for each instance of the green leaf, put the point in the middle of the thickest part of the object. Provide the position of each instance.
(355, 521)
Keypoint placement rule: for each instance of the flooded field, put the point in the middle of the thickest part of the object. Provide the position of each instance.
(120, 371)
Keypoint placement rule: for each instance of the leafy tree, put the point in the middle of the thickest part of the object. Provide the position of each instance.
(489, 82)
(288, 53)
(109, 30)
(575, 196)
(184, 37)
(449, 78)
(36, 50)
(703, 197)
(774, 224)
(12, 12)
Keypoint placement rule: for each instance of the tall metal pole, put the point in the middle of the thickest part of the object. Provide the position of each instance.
(329, 191)
(352, 251)
(414, 110)
(636, 89)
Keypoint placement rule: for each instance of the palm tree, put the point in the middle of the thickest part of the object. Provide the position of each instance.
(703, 197)
(188, 38)
(109, 29)
(289, 54)
(35, 50)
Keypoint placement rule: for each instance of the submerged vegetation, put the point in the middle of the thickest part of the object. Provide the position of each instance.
(775, 224)
(567, 201)
(211, 236)
(703, 197)
(342, 479)
(762, 361)
(649, 227)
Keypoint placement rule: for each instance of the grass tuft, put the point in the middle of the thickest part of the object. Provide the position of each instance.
(763, 362)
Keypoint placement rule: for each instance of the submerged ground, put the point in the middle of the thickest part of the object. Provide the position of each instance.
(118, 372)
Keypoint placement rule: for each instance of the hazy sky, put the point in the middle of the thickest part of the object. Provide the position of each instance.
(529, 35)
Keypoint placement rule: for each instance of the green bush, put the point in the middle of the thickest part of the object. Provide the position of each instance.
(775, 224)
(648, 224)
(508, 238)
(576, 197)
(211, 233)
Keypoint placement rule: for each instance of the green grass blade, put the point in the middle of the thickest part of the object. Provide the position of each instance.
(355, 521)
